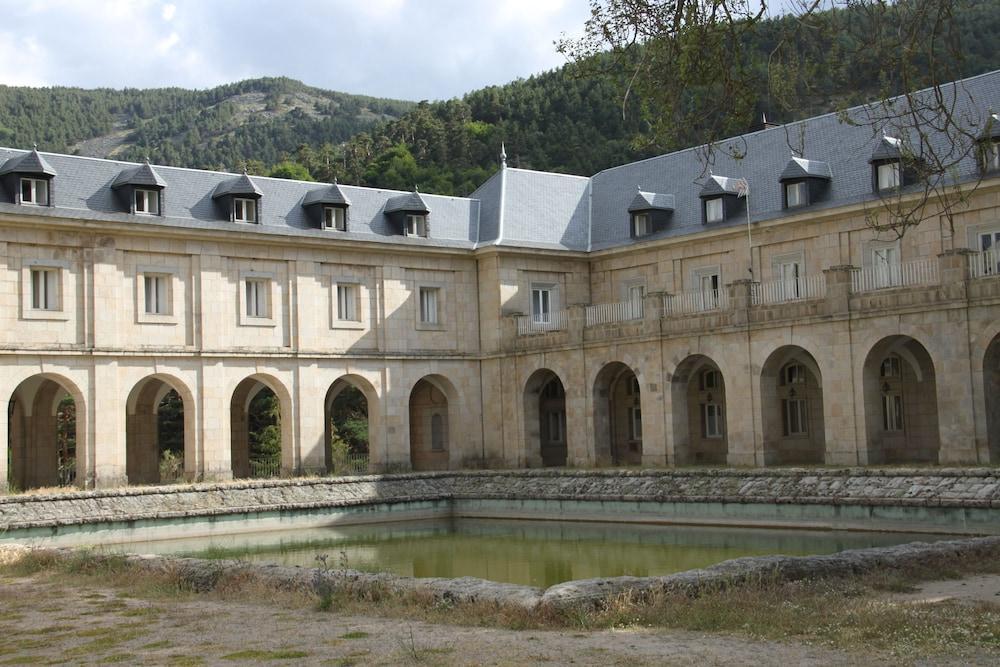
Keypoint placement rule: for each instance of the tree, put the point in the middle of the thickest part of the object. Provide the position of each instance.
(290, 170)
(672, 58)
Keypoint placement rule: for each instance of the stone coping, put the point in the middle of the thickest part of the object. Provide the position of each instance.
(971, 488)
(203, 574)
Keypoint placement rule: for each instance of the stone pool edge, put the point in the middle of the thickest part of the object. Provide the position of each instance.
(203, 574)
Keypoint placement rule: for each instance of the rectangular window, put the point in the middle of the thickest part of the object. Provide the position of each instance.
(888, 176)
(890, 367)
(991, 155)
(711, 420)
(541, 305)
(244, 210)
(256, 297)
(795, 417)
(636, 295)
(789, 273)
(886, 268)
(347, 303)
(635, 423)
(156, 290)
(714, 211)
(708, 283)
(45, 289)
(709, 380)
(416, 225)
(989, 243)
(555, 424)
(335, 217)
(147, 202)
(794, 374)
(429, 305)
(796, 194)
(892, 412)
(640, 224)
(35, 191)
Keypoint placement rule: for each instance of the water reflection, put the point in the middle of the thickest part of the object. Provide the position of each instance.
(537, 553)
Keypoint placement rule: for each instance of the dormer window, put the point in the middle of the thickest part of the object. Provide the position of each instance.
(147, 202)
(796, 194)
(888, 175)
(35, 191)
(640, 224)
(714, 210)
(991, 155)
(244, 210)
(335, 218)
(416, 225)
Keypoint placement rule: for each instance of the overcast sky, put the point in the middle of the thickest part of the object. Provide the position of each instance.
(407, 49)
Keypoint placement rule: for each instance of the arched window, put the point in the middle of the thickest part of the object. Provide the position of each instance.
(437, 433)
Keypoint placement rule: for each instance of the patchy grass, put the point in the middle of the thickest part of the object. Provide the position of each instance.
(847, 613)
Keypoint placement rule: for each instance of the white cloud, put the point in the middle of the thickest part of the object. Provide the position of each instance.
(22, 61)
(168, 12)
(167, 43)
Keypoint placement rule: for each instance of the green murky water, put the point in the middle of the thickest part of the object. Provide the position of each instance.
(536, 553)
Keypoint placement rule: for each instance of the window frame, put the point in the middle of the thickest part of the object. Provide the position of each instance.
(418, 222)
(715, 419)
(34, 188)
(795, 417)
(635, 423)
(244, 204)
(545, 297)
(802, 186)
(174, 292)
(160, 284)
(703, 379)
(429, 305)
(64, 288)
(339, 218)
(347, 302)
(647, 226)
(148, 195)
(45, 289)
(272, 296)
(892, 412)
(708, 204)
(896, 167)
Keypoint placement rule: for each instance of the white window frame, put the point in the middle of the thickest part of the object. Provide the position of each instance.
(892, 412)
(708, 282)
(270, 295)
(542, 303)
(711, 419)
(258, 304)
(245, 210)
(801, 192)
(335, 218)
(796, 417)
(991, 155)
(891, 367)
(888, 176)
(886, 264)
(57, 286)
(174, 291)
(793, 373)
(45, 281)
(416, 224)
(709, 380)
(641, 225)
(149, 199)
(156, 294)
(635, 423)
(39, 189)
(429, 306)
(348, 302)
(715, 209)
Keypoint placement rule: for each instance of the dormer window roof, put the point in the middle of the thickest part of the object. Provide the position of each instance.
(29, 164)
(720, 185)
(720, 198)
(332, 196)
(143, 176)
(799, 168)
(412, 202)
(888, 149)
(241, 186)
(991, 131)
(651, 201)
(327, 207)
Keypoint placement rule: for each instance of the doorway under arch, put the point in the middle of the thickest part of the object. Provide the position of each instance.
(347, 426)
(698, 396)
(617, 416)
(791, 393)
(431, 402)
(158, 431)
(545, 420)
(260, 424)
(46, 426)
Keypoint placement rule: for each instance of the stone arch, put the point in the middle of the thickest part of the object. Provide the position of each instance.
(617, 415)
(991, 392)
(143, 448)
(791, 401)
(900, 392)
(698, 397)
(432, 405)
(371, 406)
(45, 447)
(545, 419)
(243, 395)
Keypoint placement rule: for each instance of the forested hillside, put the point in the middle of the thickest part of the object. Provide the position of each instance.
(568, 120)
(260, 119)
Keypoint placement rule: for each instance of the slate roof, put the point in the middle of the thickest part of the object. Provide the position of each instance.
(890, 148)
(241, 185)
(143, 175)
(801, 168)
(720, 185)
(651, 201)
(412, 202)
(331, 194)
(29, 163)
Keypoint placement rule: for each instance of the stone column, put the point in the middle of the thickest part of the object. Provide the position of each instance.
(838, 288)
(740, 299)
(107, 416)
(214, 423)
(311, 413)
(576, 321)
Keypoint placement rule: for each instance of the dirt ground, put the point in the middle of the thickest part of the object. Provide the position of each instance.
(42, 622)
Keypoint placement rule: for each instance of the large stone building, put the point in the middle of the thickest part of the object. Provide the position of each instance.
(624, 318)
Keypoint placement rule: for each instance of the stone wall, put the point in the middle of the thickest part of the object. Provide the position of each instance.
(973, 488)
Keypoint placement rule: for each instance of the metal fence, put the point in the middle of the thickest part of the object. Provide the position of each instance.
(622, 311)
(695, 301)
(889, 276)
(783, 291)
(984, 264)
(532, 324)
(265, 468)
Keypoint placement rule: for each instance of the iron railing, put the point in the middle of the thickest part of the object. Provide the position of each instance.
(783, 291)
(606, 313)
(889, 276)
(695, 301)
(541, 323)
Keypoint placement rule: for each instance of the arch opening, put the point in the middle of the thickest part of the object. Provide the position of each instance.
(698, 396)
(901, 413)
(157, 431)
(545, 420)
(347, 428)
(431, 401)
(260, 430)
(617, 416)
(791, 391)
(45, 419)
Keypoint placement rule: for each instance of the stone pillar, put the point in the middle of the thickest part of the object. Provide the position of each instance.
(740, 299)
(214, 423)
(953, 272)
(838, 288)
(396, 400)
(107, 412)
(311, 415)
(508, 332)
(576, 321)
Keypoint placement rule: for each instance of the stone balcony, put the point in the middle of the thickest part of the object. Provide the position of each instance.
(839, 291)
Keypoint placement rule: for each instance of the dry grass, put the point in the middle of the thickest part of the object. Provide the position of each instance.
(849, 613)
